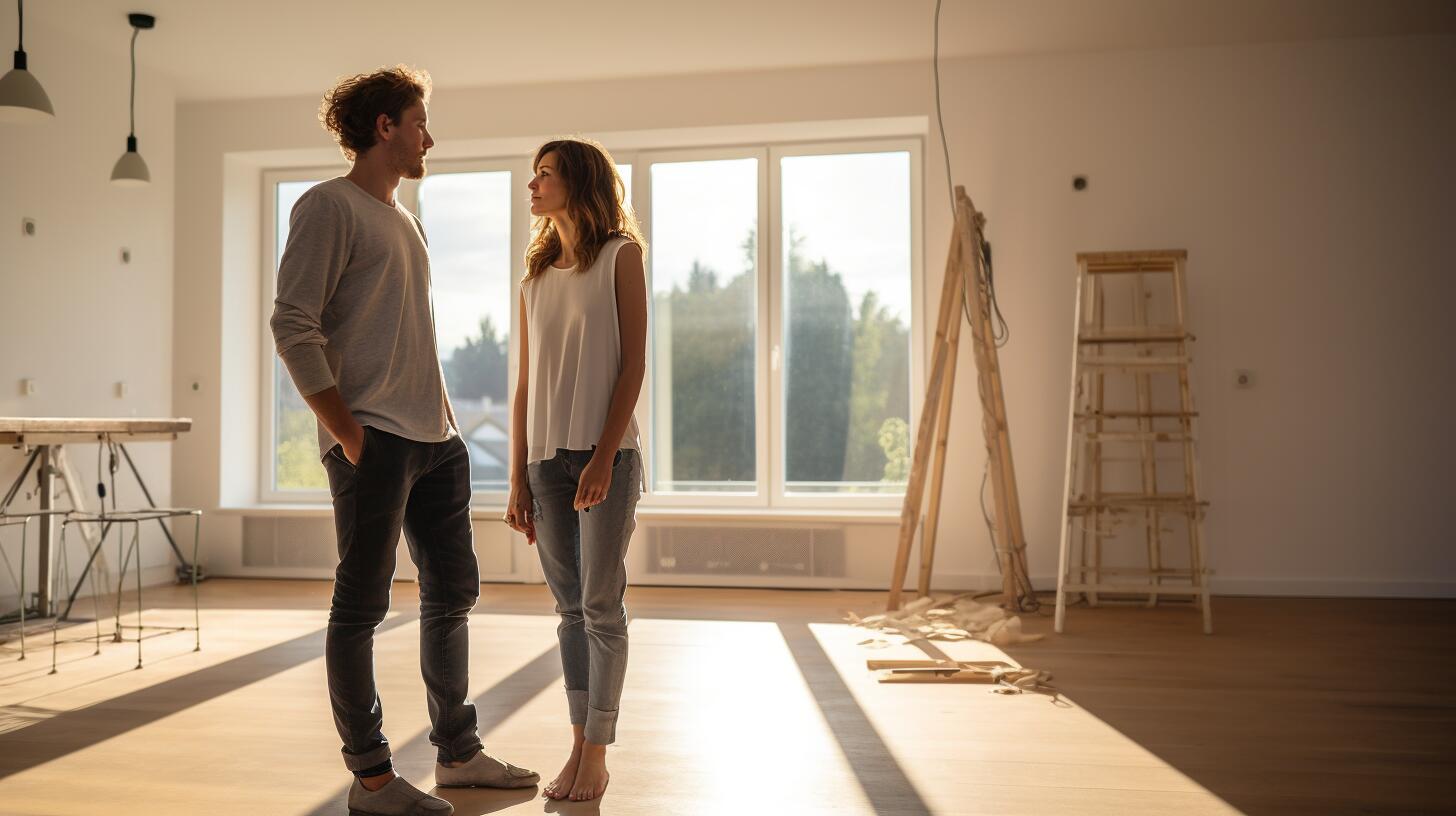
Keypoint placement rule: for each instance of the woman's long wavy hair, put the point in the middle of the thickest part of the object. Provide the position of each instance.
(595, 202)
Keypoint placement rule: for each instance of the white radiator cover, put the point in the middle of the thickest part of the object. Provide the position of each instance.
(305, 546)
(666, 551)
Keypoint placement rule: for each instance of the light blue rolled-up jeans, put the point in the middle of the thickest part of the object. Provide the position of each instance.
(583, 554)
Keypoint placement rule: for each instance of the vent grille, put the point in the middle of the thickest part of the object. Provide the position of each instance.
(289, 542)
(309, 542)
(816, 552)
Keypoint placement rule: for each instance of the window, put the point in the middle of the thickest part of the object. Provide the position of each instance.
(782, 375)
(845, 280)
(783, 282)
(467, 219)
(704, 257)
(293, 450)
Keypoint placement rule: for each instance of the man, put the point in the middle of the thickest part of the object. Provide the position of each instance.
(354, 324)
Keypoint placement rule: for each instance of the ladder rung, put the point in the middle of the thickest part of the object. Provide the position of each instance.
(1078, 511)
(1164, 572)
(1107, 460)
(1140, 589)
(1142, 256)
(1133, 362)
(1137, 436)
(1172, 573)
(1137, 500)
(1153, 336)
(1120, 503)
(1138, 415)
(1148, 268)
(1145, 497)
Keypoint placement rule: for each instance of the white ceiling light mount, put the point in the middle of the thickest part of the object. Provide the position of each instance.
(22, 99)
(130, 169)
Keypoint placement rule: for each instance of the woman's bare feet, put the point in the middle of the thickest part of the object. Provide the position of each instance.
(591, 773)
(560, 787)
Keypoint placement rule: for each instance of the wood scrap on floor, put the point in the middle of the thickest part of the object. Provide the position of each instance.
(958, 618)
(1007, 678)
(953, 619)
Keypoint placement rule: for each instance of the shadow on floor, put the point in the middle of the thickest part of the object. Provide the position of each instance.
(1293, 707)
(71, 731)
(880, 777)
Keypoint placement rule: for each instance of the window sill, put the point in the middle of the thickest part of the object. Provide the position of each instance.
(493, 513)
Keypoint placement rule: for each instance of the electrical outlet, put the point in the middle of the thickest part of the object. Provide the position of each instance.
(27, 227)
(27, 387)
(1243, 378)
(122, 389)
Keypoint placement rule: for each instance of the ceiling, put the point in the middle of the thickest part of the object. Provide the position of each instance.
(261, 48)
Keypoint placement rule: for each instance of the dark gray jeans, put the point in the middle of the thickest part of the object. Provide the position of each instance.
(583, 556)
(424, 489)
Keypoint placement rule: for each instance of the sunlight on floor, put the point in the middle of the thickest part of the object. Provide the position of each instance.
(718, 717)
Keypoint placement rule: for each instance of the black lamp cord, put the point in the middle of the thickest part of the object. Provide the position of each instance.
(101, 491)
(134, 32)
(20, 45)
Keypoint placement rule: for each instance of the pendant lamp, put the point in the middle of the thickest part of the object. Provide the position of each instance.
(22, 99)
(130, 169)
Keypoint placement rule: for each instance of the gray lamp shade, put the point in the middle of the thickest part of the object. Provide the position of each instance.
(130, 170)
(22, 99)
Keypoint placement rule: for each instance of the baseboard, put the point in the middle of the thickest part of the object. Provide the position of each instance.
(970, 582)
(158, 575)
(1332, 588)
(1243, 586)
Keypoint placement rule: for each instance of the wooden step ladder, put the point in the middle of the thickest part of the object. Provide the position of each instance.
(1131, 408)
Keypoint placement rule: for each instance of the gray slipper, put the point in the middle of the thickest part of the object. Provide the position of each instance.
(484, 771)
(398, 798)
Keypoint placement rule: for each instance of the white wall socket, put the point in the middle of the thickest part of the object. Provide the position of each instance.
(27, 386)
(122, 389)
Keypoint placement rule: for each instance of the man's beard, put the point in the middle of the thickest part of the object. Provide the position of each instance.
(410, 167)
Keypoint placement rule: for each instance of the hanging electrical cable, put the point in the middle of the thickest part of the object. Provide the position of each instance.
(1000, 329)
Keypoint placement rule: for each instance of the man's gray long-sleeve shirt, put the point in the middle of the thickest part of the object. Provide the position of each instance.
(353, 309)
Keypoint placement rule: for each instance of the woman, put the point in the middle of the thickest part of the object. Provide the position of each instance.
(576, 467)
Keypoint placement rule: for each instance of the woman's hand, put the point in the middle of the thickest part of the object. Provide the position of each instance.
(596, 479)
(519, 509)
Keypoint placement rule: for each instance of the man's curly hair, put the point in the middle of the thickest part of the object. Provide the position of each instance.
(351, 107)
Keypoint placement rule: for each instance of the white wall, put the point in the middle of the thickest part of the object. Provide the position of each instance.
(1309, 183)
(72, 316)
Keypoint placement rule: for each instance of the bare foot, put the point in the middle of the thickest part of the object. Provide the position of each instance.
(560, 787)
(591, 773)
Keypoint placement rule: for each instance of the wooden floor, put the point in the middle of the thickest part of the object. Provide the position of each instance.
(757, 702)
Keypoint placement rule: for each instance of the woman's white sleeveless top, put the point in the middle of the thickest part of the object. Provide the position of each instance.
(575, 356)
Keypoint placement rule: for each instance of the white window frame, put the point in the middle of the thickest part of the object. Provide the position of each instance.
(780, 497)
(770, 478)
(642, 192)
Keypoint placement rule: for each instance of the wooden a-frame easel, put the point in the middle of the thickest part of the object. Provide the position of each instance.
(965, 267)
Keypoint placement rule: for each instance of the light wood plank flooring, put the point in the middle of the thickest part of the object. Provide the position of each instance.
(757, 701)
